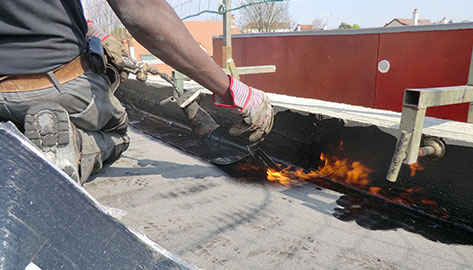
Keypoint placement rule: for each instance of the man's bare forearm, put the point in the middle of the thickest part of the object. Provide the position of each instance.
(155, 25)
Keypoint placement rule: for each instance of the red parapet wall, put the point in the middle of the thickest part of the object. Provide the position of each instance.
(342, 66)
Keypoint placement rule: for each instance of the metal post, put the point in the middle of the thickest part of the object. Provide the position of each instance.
(470, 82)
(399, 156)
(412, 121)
(232, 68)
(415, 104)
(227, 35)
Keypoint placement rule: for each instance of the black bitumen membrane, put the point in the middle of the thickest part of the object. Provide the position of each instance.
(440, 208)
(367, 210)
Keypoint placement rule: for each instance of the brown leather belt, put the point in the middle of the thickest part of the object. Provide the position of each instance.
(64, 74)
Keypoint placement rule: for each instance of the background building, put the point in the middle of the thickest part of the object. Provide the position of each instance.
(202, 31)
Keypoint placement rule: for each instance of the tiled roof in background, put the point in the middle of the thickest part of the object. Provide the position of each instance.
(409, 21)
(202, 31)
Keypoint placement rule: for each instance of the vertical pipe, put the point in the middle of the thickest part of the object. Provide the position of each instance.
(415, 17)
(227, 35)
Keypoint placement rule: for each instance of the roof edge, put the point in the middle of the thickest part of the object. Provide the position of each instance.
(362, 31)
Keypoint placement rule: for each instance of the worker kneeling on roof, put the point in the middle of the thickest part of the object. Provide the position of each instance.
(54, 87)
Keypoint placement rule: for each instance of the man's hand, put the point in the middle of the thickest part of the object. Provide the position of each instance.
(253, 105)
(115, 51)
(113, 48)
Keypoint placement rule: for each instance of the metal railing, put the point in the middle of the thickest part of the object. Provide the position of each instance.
(414, 106)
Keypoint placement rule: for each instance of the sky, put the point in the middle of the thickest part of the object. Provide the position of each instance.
(366, 13)
(375, 13)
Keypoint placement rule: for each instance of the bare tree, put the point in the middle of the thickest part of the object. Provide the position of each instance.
(318, 23)
(265, 17)
(103, 17)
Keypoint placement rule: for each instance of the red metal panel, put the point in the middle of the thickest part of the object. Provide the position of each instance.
(424, 59)
(342, 67)
(338, 68)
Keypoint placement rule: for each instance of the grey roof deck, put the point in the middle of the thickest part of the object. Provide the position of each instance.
(213, 221)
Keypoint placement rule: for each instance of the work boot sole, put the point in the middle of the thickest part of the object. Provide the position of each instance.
(48, 126)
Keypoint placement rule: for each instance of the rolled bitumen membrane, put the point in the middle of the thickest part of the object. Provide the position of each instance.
(48, 222)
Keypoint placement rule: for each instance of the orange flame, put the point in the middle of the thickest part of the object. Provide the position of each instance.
(374, 190)
(281, 177)
(414, 168)
(354, 173)
(351, 173)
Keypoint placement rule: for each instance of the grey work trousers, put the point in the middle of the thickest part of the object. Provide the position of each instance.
(97, 114)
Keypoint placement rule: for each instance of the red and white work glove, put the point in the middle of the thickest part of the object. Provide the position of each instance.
(253, 105)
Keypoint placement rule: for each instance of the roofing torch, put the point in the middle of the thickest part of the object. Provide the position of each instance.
(201, 122)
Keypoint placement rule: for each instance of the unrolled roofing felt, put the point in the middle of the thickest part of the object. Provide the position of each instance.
(49, 222)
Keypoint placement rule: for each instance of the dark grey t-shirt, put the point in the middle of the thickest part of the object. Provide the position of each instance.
(37, 36)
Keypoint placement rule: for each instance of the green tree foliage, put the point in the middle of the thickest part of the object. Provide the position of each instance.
(345, 25)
